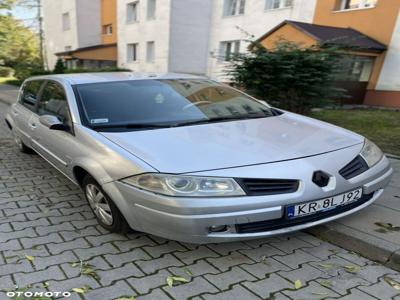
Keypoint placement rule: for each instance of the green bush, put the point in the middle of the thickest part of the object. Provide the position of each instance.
(6, 71)
(59, 68)
(289, 76)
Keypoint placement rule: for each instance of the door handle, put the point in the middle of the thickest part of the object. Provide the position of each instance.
(32, 125)
(15, 113)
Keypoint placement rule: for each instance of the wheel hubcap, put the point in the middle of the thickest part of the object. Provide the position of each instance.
(99, 204)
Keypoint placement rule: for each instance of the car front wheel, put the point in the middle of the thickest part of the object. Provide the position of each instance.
(106, 212)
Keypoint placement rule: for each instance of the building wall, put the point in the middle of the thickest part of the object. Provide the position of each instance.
(290, 33)
(84, 26)
(143, 31)
(377, 22)
(255, 22)
(109, 16)
(88, 22)
(56, 40)
(389, 79)
(189, 36)
(108, 54)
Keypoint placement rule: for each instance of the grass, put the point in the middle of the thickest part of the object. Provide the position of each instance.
(5, 79)
(380, 126)
(10, 80)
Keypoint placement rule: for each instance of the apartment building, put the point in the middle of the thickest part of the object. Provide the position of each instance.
(200, 36)
(196, 36)
(237, 22)
(164, 35)
(191, 36)
(81, 32)
(370, 30)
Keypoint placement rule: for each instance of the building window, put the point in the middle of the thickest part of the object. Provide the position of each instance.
(356, 68)
(68, 48)
(132, 54)
(229, 49)
(275, 4)
(132, 12)
(357, 4)
(150, 52)
(151, 9)
(108, 29)
(66, 22)
(234, 7)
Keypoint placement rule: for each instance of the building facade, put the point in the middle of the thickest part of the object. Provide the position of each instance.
(380, 20)
(191, 36)
(370, 31)
(164, 36)
(196, 36)
(81, 32)
(234, 27)
(200, 36)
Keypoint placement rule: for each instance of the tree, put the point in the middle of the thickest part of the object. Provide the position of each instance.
(19, 47)
(17, 43)
(6, 4)
(59, 68)
(290, 76)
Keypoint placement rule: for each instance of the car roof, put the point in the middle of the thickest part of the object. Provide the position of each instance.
(84, 78)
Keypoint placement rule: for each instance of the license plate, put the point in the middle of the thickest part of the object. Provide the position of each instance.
(308, 208)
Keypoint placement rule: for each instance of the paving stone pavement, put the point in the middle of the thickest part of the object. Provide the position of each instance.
(46, 225)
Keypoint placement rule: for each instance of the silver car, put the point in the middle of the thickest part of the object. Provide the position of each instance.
(190, 159)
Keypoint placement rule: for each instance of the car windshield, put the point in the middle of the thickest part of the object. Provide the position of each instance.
(155, 103)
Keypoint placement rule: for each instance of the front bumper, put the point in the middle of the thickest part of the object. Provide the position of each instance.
(189, 219)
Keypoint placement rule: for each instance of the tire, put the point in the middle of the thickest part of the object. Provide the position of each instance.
(106, 212)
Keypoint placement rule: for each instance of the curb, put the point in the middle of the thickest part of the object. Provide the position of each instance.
(4, 101)
(366, 245)
(392, 156)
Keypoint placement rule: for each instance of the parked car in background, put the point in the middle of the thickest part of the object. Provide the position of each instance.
(190, 159)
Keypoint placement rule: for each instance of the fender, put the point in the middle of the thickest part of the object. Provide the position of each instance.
(95, 169)
(10, 121)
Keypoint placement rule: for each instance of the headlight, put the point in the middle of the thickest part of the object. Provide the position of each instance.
(186, 186)
(371, 153)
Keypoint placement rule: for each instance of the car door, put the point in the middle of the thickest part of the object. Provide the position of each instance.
(53, 144)
(23, 110)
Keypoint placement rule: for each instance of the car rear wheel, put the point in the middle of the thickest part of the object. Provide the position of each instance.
(106, 212)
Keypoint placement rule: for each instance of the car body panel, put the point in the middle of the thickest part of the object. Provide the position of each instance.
(235, 143)
(188, 219)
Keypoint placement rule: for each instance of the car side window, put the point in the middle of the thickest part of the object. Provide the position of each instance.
(30, 94)
(54, 102)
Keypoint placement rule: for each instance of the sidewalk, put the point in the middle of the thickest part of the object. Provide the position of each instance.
(8, 93)
(374, 232)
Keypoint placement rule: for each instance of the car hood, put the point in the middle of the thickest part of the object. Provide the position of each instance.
(233, 144)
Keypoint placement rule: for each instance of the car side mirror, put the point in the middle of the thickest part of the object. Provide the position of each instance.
(52, 122)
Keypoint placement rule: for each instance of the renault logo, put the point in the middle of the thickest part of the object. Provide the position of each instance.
(320, 178)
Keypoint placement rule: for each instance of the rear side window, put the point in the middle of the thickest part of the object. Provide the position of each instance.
(54, 102)
(30, 93)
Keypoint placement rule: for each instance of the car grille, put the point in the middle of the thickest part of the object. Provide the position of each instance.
(354, 168)
(283, 222)
(259, 187)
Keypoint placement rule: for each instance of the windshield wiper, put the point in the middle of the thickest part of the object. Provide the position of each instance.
(130, 126)
(219, 119)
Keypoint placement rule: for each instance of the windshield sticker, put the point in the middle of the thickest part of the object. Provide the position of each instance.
(159, 98)
(98, 121)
